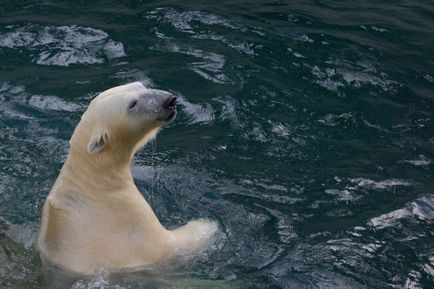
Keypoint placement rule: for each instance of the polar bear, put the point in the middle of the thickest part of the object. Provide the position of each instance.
(94, 216)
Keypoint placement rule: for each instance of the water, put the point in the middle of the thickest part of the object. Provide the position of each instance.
(304, 127)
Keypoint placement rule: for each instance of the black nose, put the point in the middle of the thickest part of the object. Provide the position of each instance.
(170, 103)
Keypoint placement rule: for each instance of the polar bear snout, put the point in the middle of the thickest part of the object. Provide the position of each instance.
(170, 103)
(168, 111)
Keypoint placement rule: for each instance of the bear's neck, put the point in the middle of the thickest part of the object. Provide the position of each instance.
(105, 171)
(98, 173)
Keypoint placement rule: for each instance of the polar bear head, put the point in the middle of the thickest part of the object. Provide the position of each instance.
(122, 119)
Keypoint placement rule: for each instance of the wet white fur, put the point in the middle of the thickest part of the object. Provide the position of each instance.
(94, 216)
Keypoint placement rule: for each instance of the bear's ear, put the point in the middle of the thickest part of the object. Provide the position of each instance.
(97, 142)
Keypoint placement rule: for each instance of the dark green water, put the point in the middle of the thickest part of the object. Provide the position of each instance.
(305, 128)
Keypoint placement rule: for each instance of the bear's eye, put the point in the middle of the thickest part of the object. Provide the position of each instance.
(132, 104)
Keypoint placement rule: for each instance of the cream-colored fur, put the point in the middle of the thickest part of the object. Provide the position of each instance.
(94, 216)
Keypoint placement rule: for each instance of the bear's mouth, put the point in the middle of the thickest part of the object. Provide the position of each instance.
(172, 115)
(167, 115)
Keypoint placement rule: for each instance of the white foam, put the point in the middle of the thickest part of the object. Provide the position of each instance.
(100, 281)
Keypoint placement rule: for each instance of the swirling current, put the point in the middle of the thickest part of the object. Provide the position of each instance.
(305, 128)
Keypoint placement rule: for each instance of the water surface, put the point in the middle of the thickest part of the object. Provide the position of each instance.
(305, 128)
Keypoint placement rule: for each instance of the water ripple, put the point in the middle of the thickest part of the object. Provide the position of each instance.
(422, 208)
(197, 113)
(339, 73)
(421, 161)
(184, 21)
(62, 45)
(210, 67)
